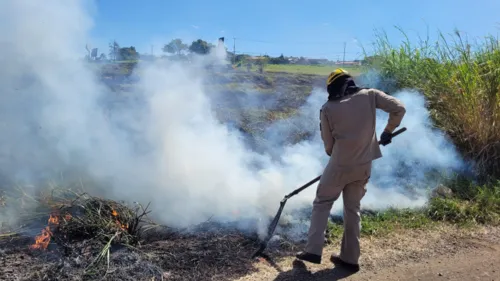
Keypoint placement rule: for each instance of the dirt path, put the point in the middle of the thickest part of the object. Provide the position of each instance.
(444, 254)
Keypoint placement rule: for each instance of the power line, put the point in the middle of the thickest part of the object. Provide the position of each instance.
(291, 42)
(343, 59)
(315, 54)
(327, 44)
(234, 50)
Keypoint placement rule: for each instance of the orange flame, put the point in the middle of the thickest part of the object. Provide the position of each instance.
(122, 226)
(53, 220)
(42, 241)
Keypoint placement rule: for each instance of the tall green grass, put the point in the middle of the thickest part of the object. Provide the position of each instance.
(461, 81)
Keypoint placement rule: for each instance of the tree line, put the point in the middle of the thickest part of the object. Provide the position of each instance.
(177, 49)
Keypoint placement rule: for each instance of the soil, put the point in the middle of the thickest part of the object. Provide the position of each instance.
(445, 254)
(442, 253)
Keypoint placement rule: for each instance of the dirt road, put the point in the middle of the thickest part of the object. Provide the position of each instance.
(446, 254)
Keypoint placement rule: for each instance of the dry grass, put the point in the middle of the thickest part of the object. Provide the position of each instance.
(76, 235)
(90, 217)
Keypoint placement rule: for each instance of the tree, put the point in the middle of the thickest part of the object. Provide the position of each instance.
(128, 53)
(278, 60)
(175, 47)
(200, 47)
(114, 48)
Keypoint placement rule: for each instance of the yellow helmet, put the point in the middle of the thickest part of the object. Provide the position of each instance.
(339, 72)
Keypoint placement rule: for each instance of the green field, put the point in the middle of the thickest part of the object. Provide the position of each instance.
(285, 68)
(309, 69)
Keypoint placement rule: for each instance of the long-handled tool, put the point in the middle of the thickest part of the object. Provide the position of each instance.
(274, 222)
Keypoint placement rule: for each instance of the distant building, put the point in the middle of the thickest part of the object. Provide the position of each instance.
(352, 63)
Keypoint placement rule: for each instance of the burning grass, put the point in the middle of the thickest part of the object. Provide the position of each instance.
(78, 236)
(81, 237)
(90, 217)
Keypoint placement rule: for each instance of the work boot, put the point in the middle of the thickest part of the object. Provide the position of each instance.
(349, 266)
(309, 257)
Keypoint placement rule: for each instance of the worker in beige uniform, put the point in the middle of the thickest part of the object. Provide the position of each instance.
(347, 124)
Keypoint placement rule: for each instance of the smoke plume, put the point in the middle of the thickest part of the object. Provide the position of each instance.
(162, 143)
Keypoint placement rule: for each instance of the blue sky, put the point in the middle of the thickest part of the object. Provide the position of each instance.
(309, 28)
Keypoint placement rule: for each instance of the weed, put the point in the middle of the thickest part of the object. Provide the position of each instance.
(470, 205)
(384, 222)
(482, 206)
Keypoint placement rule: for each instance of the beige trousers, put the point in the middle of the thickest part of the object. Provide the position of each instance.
(352, 184)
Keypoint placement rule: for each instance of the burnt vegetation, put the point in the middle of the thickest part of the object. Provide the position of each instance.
(74, 236)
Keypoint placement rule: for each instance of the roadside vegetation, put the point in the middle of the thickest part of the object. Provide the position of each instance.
(468, 206)
(461, 82)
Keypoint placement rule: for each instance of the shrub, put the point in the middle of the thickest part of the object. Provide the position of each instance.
(480, 204)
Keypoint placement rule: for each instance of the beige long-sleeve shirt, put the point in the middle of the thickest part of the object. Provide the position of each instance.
(348, 126)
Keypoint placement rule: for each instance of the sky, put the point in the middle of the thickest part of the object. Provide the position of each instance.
(312, 28)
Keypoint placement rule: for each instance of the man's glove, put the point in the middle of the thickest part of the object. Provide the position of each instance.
(385, 138)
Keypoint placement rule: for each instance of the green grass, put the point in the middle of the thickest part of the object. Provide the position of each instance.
(309, 69)
(385, 222)
(461, 81)
(481, 204)
(469, 206)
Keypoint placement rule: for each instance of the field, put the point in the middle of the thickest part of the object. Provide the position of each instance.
(310, 69)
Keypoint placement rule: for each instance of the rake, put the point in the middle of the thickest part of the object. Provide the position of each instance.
(274, 222)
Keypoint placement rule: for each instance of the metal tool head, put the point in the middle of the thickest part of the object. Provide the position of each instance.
(270, 229)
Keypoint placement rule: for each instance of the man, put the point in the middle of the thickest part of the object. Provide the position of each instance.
(347, 124)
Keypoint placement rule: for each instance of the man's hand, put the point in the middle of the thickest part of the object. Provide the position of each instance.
(385, 138)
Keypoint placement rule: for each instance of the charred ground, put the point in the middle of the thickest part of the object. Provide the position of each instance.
(66, 234)
(89, 238)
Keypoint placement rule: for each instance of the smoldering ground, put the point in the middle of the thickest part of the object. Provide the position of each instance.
(162, 143)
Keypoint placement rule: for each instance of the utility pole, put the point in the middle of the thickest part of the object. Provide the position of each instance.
(343, 60)
(234, 50)
(114, 50)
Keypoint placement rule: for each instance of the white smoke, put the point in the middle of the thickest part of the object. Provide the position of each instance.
(163, 143)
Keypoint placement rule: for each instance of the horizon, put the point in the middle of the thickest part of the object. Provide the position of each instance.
(293, 30)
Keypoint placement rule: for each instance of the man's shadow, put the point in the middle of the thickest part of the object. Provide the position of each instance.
(300, 272)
